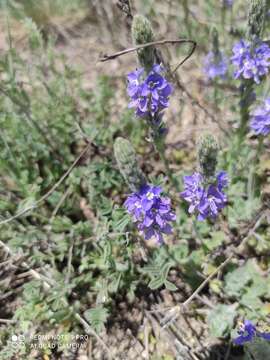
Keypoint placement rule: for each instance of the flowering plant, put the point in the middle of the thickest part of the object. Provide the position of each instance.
(247, 333)
(149, 96)
(151, 211)
(251, 60)
(260, 119)
(207, 200)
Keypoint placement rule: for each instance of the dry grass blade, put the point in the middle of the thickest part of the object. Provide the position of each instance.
(49, 193)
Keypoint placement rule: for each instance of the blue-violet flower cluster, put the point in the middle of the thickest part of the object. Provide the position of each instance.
(205, 200)
(149, 95)
(215, 65)
(260, 120)
(252, 61)
(247, 333)
(151, 211)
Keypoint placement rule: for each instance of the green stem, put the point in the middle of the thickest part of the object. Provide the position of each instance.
(223, 13)
(195, 227)
(231, 18)
(253, 178)
(215, 94)
(245, 102)
(160, 147)
(260, 147)
(186, 17)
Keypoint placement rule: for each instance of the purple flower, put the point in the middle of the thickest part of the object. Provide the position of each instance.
(260, 120)
(151, 212)
(215, 65)
(247, 333)
(264, 335)
(150, 95)
(133, 88)
(205, 200)
(251, 61)
(227, 3)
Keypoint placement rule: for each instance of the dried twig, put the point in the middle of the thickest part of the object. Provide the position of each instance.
(206, 281)
(154, 43)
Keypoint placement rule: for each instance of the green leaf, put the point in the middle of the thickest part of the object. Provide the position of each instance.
(236, 280)
(156, 283)
(158, 272)
(221, 320)
(180, 252)
(170, 286)
(97, 317)
(121, 224)
(258, 287)
(217, 238)
(251, 300)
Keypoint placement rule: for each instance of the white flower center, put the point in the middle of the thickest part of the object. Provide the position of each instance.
(255, 70)
(150, 195)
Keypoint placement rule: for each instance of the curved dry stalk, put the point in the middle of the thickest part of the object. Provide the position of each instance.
(154, 43)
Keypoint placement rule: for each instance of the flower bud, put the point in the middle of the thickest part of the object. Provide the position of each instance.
(142, 33)
(127, 163)
(256, 18)
(207, 156)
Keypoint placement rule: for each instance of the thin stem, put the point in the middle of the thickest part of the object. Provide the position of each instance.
(198, 235)
(245, 102)
(160, 147)
(223, 17)
(259, 148)
(206, 281)
(216, 94)
(186, 17)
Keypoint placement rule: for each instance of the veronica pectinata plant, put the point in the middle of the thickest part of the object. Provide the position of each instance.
(260, 119)
(215, 62)
(149, 89)
(149, 94)
(150, 210)
(251, 60)
(204, 190)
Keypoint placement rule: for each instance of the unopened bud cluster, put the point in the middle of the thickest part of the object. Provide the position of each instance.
(142, 33)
